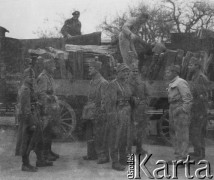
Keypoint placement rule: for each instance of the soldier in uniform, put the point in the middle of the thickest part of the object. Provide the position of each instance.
(199, 88)
(49, 106)
(28, 125)
(95, 107)
(180, 100)
(119, 116)
(37, 139)
(72, 27)
(127, 37)
(139, 105)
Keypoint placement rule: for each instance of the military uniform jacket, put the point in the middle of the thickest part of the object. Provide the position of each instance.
(118, 95)
(72, 27)
(96, 96)
(46, 88)
(199, 86)
(31, 73)
(139, 89)
(26, 119)
(179, 93)
(24, 101)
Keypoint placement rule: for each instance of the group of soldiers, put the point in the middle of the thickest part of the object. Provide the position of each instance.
(116, 109)
(188, 101)
(188, 110)
(37, 115)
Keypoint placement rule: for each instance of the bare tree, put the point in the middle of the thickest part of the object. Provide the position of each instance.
(53, 27)
(170, 16)
(189, 16)
(158, 26)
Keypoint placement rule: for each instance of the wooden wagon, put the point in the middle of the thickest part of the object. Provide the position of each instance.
(72, 79)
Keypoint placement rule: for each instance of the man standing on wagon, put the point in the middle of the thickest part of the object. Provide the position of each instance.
(127, 37)
(199, 87)
(72, 27)
(95, 111)
(180, 100)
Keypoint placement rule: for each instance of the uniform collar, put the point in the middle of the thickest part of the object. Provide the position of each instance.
(173, 80)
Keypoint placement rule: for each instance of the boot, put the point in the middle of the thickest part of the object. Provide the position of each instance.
(43, 163)
(51, 153)
(48, 156)
(123, 162)
(29, 168)
(54, 154)
(118, 167)
(91, 152)
(203, 153)
(140, 150)
(196, 153)
(102, 159)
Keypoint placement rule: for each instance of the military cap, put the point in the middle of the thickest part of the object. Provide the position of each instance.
(175, 68)
(134, 66)
(195, 60)
(40, 58)
(122, 67)
(76, 13)
(96, 64)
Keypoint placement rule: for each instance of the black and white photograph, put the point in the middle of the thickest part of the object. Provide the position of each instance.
(106, 89)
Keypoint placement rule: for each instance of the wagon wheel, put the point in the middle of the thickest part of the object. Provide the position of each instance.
(67, 119)
(164, 128)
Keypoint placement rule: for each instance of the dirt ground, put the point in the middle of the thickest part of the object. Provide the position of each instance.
(72, 166)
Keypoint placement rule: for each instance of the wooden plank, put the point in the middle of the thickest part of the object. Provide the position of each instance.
(89, 48)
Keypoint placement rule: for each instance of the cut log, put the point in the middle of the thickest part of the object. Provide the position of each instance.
(86, 39)
(89, 48)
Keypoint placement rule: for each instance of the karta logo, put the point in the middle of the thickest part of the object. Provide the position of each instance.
(136, 166)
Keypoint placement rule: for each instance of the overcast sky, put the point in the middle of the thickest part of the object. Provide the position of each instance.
(23, 17)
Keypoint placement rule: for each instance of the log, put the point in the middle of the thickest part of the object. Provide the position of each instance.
(86, 39)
